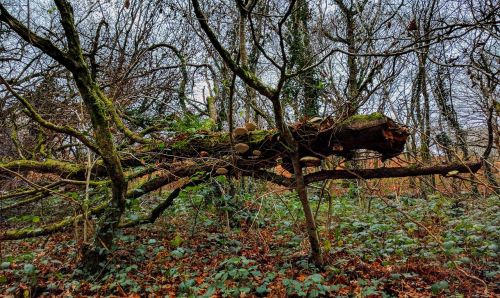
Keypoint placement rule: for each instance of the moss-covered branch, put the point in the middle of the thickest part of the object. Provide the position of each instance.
(35, 198)
(48, 229)
(445, 170)
(29, 36)
(67, 169)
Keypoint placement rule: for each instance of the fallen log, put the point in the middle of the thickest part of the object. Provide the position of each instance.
(212, 153)
(259, 149)
(319, 138)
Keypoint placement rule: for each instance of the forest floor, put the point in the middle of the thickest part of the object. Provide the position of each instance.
(416, 248)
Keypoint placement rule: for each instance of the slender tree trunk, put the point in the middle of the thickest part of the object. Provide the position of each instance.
(250, 93)
(428, 181)
(487, 164)
(312, 231)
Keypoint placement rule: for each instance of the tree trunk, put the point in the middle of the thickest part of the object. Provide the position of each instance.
(312, 232)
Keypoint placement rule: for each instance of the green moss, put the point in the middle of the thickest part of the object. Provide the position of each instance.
(257, 136)
(153, 146)
(47, 165)
(73, 168)
(180, 144)
(364, 118)
(252, 77)
(224, 138)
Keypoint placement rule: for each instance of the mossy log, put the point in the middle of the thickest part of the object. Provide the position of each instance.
(318, 139)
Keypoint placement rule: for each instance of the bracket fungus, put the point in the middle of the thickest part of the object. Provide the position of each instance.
(241, 148)
(310, 161)
(239, 131)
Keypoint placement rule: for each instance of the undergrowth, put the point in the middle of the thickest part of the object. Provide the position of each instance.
(233, 245)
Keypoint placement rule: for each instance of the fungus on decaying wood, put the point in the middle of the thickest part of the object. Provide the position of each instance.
(256, 153)
(250, 126)
(240, 131)
(221, 171)
(310, 161)
(241, 148)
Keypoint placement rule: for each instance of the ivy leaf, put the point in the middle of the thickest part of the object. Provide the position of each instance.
(439, 286)
(29, 268)
(316, 278)
(177, 241)
(261, 290)
(245, 290)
